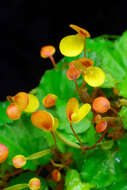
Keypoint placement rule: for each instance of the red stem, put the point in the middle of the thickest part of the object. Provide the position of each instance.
(100, 139)
(76, 135)
(53, 61)
(54, 138)
(113, 109)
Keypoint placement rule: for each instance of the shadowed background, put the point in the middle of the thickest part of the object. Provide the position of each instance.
(26, 26)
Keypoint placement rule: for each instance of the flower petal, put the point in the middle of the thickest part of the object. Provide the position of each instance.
(94, 76)
(55, 124)
(80, 30)
(71, 45)
(72, 106)
(33, 104)
(81, 113)
(43, 120)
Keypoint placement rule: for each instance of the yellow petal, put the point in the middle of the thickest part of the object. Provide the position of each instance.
(94, 76)
(81, 113)
(43, 120)
(71, 45)
(80, 30)
(72, 106)
(33, 104)
(55, 124)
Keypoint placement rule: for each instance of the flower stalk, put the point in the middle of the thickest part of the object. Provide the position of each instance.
(17, 187)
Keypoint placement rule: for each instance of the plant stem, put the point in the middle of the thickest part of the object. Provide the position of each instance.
(38, 154)
(76, 135)
(78, 90)
(113, 109)
(53, 61)
(66, 141)
(17, 187)
(53, 135)
(82, 86)
(100, 139)
(57, 165)
(110, 118)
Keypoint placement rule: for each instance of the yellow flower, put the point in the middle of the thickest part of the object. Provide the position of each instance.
(74, 113)
(81, 31)
(71, 45)
(94, 76)
(44, 120)
(33, 104)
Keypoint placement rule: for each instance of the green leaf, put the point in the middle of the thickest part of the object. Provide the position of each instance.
(21, 137)
(123, 115)
(3, 116)
(122, 147)
(98, 169)
(110, 58)
(25, 177)
(55, 82)
(73, 182)
(122, 87)
(121, 182)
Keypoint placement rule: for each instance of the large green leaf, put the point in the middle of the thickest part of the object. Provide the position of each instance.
(73, 181)
(106, 56)
(121, 179)
(98, 169)
(21, 137)
(122, 147)
(56, 82)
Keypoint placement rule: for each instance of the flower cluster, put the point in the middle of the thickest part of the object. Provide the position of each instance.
(76, 109)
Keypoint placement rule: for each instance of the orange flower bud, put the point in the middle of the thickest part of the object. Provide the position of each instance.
(3, 153)
(34, 184)
(19, 161)
(49, 100)
(97, 118)
(56, 175)
(73, 73)
(101, 105)
(47, 51)
(101, 126)
(13, 112)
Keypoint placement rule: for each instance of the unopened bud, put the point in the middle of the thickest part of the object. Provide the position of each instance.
(49, 100)
(3, 153)
(19, 161)
(56, 175)
(34, 184)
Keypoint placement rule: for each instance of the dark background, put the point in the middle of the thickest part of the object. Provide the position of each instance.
(26, 26)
